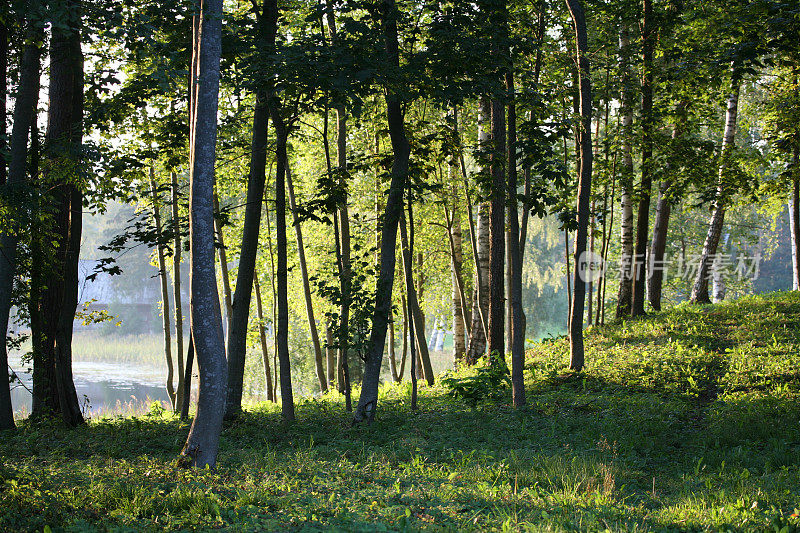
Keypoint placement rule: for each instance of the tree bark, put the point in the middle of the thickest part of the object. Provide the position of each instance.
(281, 274)
(224, 274)
(163, 277)
(262, 335)
(480, 304)
(418, 321)
(343, 235)
(59, 297)
(656, 264)
(187, 379)
(794, 211)
(584, 185)
(368, 401)
(643, 215)
(202, 443)
(700, 287)
(497, 206)
(240, 315)
(176, 286)
(517, 315)
(301, 253)
(26, 98)
(625, 295)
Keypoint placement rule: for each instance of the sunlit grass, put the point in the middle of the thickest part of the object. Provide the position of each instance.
(684, 421)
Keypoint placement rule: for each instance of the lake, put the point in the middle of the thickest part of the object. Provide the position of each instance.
(102, 387)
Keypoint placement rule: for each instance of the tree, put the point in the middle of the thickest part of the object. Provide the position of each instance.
(643, 215)
(584, 186)
(62, 205)
(367, 403)
(700, 287)
(237, 334)
(26, 98)
(202, 443)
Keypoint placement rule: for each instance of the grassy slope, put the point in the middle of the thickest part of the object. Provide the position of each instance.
(685, 420)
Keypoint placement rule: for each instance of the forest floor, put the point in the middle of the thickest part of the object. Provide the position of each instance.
(684, 420)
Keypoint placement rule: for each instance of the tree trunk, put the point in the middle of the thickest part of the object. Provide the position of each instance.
(330, 354)
(625, 294)
(187, 379)
(459, 299)
(497, 224)
(794, 211)
(367, 403)
(240, 314)
(223, 266)
(202, 443)
(480, 305)
(26, 98)
(719, 287)
(274, 309)
(643, 215)
(392, 354)
(176, 286)
(163, 277)
(301, 253)
(262, 335)
(59, 298)
(406, 330)
(343, 235)
(659, 246)
(517, 316)
(418, 320)
(584, 186)
(281, 274)
(3, 98)
(407, 247)
(700, 288)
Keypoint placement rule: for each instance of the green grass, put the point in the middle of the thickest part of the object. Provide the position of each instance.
(686, 420)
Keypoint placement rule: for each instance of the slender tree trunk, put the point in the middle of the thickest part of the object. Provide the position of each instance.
(187, 379)
(700, 288)
(584, 185)
(418, 320)
(408, 252)
(406, 330)
(517, 315)
(624, 299)
(480, 305)
(459, 299)
(343, 235)
(262, 335)
(240, 313)
(202, 443)
(3, 99)
(223, 266)
(274, 309)
(176, 286)
(25, 98)
(419, 316)
(794, 210)
(312, 323)
(497, 233)
(643, 215)
(330, 354)
(163, 277)
(392, 354)
(281, 275)
(367, 403)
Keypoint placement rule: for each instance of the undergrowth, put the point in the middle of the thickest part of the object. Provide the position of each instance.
(687, 420)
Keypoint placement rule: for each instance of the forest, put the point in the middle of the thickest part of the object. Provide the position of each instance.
(488, 265)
